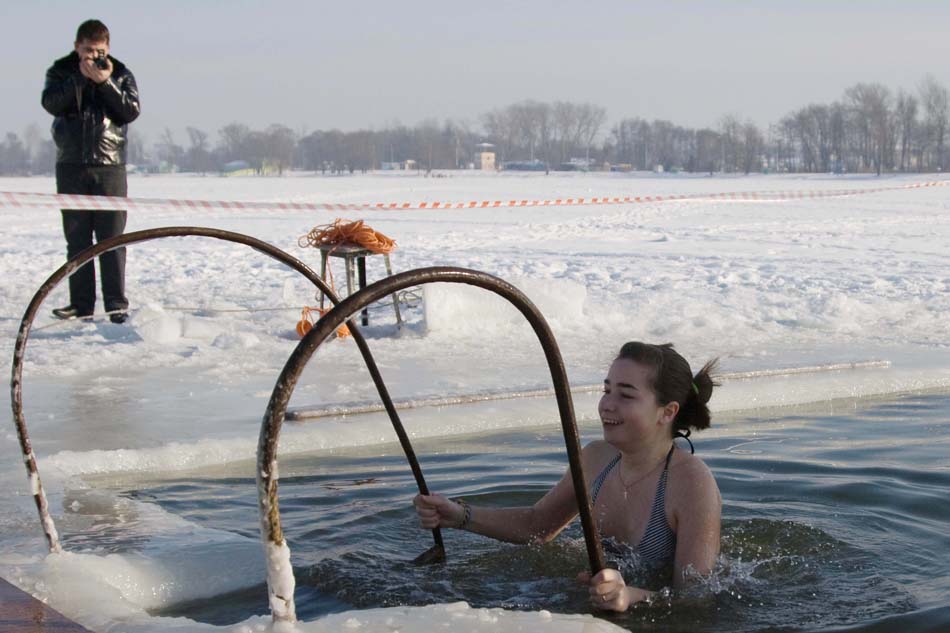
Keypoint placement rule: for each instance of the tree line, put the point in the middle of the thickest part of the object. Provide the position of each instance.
(870, 129)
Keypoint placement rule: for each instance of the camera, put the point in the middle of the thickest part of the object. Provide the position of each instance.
(100, 61)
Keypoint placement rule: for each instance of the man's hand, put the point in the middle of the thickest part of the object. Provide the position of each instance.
(89, 70)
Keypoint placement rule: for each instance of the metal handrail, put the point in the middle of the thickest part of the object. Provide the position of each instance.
(280, 580)
(16, 382)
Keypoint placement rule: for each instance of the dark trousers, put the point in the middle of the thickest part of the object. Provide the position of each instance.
(81, 225)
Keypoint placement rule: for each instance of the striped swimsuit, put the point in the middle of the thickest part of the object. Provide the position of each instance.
(658, 545)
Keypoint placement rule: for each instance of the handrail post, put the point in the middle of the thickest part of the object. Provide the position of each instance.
(275, 413)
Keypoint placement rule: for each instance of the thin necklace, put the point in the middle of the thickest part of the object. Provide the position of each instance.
(627, 486)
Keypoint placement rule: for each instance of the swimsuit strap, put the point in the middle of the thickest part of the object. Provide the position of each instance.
(685, 436)
(595, 488)
(669, 456)
(602, 476)
(659, 540)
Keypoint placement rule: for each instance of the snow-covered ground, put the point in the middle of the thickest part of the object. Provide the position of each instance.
(761, 284)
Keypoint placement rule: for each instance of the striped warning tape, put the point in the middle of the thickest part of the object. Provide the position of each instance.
(17, 199)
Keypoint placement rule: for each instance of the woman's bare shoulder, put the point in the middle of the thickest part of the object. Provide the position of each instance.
(691, 478)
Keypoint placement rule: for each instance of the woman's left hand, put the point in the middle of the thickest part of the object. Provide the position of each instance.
(609, 592)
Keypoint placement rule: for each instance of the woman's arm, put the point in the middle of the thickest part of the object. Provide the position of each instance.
(535, 524)
(532, 524)
(698, 512)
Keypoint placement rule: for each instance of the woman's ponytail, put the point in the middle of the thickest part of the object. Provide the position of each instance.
(694, 409)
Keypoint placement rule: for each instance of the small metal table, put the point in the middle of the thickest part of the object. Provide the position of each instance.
(354, 254)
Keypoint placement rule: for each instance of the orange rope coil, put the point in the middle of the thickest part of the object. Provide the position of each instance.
(336, 233)
(345, 232)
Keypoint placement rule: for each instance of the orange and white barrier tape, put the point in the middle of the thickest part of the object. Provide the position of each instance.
(17, 199)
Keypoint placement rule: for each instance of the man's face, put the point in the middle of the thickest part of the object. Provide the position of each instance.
(90, 49)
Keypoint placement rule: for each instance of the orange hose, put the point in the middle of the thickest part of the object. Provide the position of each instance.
(341, 231)
(307, 321)
(336, 233)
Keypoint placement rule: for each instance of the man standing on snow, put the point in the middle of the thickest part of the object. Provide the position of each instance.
(93, 98)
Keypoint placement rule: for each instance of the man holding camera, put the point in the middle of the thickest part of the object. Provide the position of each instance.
(92, 97)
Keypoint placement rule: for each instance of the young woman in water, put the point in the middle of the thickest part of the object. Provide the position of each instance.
(648, 495)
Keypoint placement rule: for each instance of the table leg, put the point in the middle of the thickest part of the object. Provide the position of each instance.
(350, 281)
(361, 269)
(323, 275)
(389, 273)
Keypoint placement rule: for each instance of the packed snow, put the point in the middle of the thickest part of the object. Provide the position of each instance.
(761, 284)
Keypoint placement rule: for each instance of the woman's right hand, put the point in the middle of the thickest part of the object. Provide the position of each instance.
(437, 511)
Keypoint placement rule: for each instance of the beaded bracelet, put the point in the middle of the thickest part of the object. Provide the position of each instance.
(466, 516)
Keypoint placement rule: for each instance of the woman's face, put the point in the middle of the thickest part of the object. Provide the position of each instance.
(628, 409)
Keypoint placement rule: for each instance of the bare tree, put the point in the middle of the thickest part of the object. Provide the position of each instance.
(234, 140)
(198, 155)
(135, 148)
(623, 141)
(708, 151)
(870, 106)
(934, 99)
(567, 128)
(870, 128)
(279, 142)
(524, 127)
(753, 147)
(905, 112)
(592, 118)
(32, 141)
(14, 157)
(731, 130)
(169, 152)
(500, 128)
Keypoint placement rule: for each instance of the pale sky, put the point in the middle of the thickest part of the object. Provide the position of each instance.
(349, 65)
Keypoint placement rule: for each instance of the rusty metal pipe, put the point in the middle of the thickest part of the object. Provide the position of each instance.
(274, 415)
(16, 382)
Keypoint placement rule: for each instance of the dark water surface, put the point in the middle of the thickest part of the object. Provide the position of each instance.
(835, 518)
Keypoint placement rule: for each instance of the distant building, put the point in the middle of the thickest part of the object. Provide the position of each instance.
(485, 157)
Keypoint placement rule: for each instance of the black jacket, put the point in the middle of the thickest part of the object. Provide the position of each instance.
(90, 124)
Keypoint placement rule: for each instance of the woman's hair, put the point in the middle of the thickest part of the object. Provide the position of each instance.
(673, 381)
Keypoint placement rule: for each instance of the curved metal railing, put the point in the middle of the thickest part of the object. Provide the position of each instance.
(280, 581)
(16, 382)
(279, 574)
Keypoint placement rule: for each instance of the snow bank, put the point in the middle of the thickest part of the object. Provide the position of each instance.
(459, 309)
